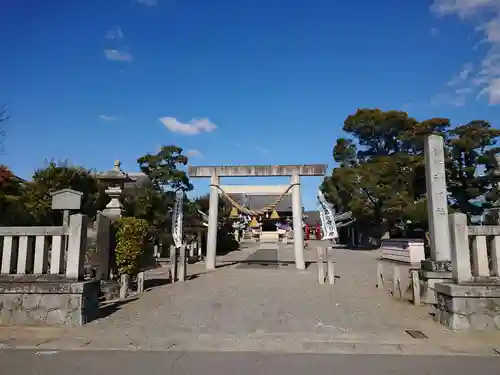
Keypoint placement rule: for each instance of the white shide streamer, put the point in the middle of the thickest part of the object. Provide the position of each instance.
(327, 216)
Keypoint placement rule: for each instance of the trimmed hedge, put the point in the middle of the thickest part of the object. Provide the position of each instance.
(132, 236)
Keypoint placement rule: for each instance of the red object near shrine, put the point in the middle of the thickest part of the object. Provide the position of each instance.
(307, 233)
(318, 232)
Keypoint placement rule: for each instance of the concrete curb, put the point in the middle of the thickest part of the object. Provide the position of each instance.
(250, 344)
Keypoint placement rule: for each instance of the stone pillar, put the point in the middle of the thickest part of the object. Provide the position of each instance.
(437, 201)
(298, 234)
(438, 268)
(212, 224)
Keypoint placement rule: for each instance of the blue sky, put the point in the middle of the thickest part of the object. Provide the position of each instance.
(233, 82)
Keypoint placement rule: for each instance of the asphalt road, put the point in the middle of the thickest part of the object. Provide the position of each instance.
(222, 363)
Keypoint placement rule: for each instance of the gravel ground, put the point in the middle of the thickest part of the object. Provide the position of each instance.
(233, 304)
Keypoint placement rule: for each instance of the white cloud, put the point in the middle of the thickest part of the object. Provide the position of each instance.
(454, 99)
(114, 33)
(262, 150)
(194, 153)
(117, 55)
(107, 118)
(464, 74)
(192, 127)
(484, 76)
(148, 3)
(462, 8)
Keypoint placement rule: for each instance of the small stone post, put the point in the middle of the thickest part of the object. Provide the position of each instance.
(182, 263)
(173, 263)
(321, 264)
(380, 274)
(124, 286)
(415, 281)
(331, 270)
(140, 282)
(396, 282)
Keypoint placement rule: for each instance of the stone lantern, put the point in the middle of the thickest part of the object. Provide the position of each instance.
(115, 179)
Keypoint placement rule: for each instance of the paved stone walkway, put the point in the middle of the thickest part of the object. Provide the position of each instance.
(276, 309)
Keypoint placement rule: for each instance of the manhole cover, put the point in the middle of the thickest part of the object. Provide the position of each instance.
(415, 334)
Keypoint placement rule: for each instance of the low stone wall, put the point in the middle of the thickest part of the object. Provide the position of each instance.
(468, 307)
(51, 302)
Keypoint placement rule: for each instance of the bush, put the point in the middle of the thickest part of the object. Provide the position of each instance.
(132, 236)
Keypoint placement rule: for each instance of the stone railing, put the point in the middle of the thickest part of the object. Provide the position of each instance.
(472, 299)
(45, 250)
(41, 275)
(471, 243)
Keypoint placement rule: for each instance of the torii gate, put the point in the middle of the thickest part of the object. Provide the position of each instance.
(292, 171)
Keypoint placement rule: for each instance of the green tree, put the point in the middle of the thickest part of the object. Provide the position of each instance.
(153, 200)
(381, 166)
(11, 208)
(147, 202)
(55, 176)
(381, 171)
(163, 170)
(470, 163)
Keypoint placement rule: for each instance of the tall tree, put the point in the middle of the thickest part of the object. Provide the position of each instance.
(163, 169)
(470, 160)
(381, 167)
(381, 172)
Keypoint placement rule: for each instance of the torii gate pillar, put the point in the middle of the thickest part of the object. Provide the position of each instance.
(213, 211)
(298, 234)
(293, 171)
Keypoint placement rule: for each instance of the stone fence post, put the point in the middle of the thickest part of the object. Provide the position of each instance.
(77, 245)
(460, 255)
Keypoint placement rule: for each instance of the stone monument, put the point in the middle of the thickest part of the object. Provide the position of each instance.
(438, 268)
(66, 200)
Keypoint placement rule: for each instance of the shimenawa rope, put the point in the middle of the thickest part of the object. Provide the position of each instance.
(247, 211)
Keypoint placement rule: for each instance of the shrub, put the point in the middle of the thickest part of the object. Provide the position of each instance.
(131, 244)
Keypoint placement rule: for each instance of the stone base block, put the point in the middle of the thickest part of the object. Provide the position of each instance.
(468, 307)
(428, 280)
(24, 301)
(110, 290)
(436, 265)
